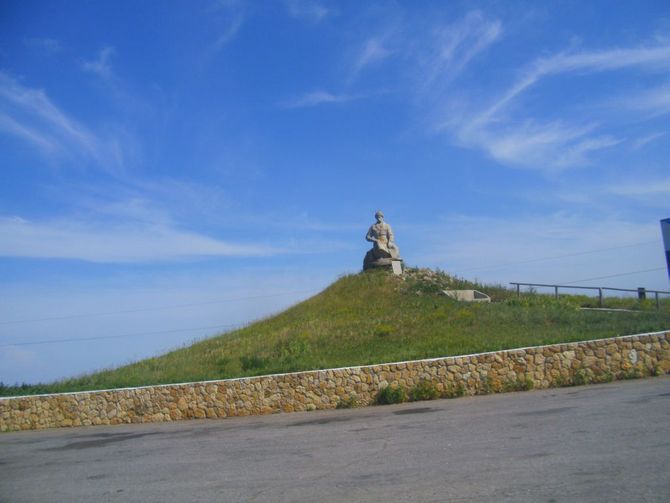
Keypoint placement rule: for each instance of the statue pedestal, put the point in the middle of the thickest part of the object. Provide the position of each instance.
(394, 264)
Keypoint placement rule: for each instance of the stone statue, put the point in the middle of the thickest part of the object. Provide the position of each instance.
(384, 250)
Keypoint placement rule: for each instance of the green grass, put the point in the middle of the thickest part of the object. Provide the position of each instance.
(424, 390)
(391, 394)
(375, 317)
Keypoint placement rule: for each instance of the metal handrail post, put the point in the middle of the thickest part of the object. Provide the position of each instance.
(642, 292)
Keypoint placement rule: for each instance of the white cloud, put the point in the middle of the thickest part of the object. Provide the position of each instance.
(577, 153)
(49, 45)
(654, 101)
(30, 115)
(643, 141)
(652, 58)
(315, 98)
(373, 51)
(539, 146)
(101, 66)
(152, 222)
(311, 10)
(229, 31)
(553, 145)
(36, 103)
(149, 200)
(454, 46)
(113, 243)
(35, 138)
(450, 50)
(227, 18)
(641, 188)
(636, 188)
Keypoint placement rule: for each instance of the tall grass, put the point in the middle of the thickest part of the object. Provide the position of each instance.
(374, 317)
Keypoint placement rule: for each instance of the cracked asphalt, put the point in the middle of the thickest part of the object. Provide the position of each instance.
(608, 442)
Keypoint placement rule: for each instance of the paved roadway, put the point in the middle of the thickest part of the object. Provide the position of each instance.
(609, 443)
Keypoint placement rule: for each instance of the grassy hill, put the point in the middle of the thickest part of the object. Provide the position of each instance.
(375, 317)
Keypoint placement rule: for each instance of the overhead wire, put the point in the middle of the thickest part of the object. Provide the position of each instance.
(542, 259)
(155, 308)
(231, 299)
(101, 337)
(613, 276)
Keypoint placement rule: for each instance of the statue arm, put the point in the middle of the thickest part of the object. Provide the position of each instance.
(370, 236)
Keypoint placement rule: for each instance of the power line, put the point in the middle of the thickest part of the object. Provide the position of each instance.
(230, 299)
(157, 308)
(195, 304)
(211, 327)
(136, 334)
(613, 275)
(507, 264)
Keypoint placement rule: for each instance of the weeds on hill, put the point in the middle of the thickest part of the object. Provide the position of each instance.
(454, 391)
(348, 403)
(424, 390)
(519, 385)
(391, 394)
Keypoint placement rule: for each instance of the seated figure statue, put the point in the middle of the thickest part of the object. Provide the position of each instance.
(384, 250)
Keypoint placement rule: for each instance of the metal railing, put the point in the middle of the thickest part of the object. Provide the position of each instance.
(641, 292)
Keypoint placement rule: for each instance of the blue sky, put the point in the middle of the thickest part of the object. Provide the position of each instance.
(168, 168)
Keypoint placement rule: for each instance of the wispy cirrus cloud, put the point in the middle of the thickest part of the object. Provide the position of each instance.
(227, 17)
(229, 31)
(25, 101)
(101, 66)
(31, 116)
(30, 135)
(453, 46)
(528, 142)
(50, 45)
(652, 58)
(316, 98)
(437, 59)
(548, 147)
(544, 146)
(373, 51)
(119, 243)
(158, 220)
(641, 188)
(154, 201)
(654, 101)
(310, 10)
(645, 140)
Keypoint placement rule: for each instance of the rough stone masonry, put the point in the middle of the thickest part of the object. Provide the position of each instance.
(538, 367)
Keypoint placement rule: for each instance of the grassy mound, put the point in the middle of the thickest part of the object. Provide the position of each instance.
(375, 317)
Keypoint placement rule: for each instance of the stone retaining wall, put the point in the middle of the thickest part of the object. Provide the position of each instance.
(535, 367)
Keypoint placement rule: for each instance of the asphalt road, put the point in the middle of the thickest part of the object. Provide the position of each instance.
(609, 443)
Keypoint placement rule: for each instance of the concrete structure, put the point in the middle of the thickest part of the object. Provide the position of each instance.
(514, 369)
(467, 295)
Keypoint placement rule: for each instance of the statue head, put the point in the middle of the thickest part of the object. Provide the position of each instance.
(379, 215)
